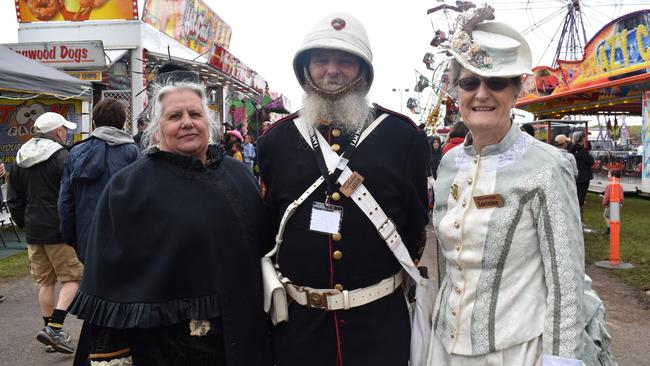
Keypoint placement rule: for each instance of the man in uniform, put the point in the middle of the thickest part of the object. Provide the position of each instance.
(334, 67)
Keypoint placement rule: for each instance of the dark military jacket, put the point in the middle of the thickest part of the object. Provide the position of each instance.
(393, 159)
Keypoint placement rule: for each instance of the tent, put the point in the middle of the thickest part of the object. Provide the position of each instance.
(20, 74)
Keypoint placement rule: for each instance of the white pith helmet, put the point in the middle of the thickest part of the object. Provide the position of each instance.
(337, 31)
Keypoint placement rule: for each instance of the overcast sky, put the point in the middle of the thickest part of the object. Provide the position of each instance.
(265, 34)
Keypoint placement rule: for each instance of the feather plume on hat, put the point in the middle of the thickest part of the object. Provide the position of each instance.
(475, 17)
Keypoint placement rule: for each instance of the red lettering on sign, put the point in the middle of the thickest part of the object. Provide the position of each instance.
(62, 109)
(5, 112)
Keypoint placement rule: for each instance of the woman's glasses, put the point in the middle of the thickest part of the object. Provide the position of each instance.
(472, 83)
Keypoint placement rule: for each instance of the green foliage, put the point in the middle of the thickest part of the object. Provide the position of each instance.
(635, 238)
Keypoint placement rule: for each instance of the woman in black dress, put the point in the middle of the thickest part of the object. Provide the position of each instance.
(172, 275)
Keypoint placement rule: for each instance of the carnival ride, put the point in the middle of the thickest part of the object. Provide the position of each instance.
(603, 79)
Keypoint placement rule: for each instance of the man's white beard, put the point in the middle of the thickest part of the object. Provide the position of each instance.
(349, 111)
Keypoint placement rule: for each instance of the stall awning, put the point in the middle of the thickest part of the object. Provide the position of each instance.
(23, 75)
(209, 74)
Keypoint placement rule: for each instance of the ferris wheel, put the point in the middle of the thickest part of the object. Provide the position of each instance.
(562, 27)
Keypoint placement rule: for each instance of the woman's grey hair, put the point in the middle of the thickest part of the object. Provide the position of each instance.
(149, 136)
(456, 68)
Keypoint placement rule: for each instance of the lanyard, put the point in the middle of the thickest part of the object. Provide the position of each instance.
(330, 179)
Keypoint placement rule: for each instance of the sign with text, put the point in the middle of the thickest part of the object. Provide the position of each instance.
(190, 22)
(17, 119)
(74, 10)
(86, 75)
(64, 55)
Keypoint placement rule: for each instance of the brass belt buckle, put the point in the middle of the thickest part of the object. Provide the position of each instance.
(318, 301)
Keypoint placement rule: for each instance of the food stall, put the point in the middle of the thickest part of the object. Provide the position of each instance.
(186, 32)
(29, 89)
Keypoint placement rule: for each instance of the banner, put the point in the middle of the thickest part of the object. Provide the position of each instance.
(232, 66)
(75, 10)
(17, 119)
(191, 22)
(64, 55)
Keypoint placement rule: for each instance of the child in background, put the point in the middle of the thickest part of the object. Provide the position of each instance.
(606, 198)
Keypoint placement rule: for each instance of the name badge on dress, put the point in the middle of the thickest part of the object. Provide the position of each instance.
(488, 201)
(326, 218)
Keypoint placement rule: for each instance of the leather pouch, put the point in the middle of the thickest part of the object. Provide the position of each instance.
(275, 296)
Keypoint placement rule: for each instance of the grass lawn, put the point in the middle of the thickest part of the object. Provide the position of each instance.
(15, 265)
(635, 238)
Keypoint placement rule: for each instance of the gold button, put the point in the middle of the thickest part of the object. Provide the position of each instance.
(416, 262)
(458, 267)
(337, 255)
(458, 290)
(336, 237)
(464, 203)
(475, 159)
(336, 147)
(453, 311)
(452, 334)
(338, 287)
(336, 196)
(336, 132)
(458, 246)
(456, 224)
(470, 181)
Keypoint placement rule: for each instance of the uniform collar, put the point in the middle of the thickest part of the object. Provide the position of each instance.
(502, 146)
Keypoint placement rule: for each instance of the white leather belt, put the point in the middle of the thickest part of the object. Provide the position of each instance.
(331, 299)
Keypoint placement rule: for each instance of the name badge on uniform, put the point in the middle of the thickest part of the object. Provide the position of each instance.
(351, 184)
(326, 219)
(488, 201)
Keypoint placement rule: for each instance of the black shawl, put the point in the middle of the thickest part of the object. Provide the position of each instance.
(173, 239)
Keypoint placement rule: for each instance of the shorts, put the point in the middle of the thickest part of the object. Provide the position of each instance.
(52, 262)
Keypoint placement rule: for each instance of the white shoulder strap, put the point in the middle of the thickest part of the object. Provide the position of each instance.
(291, 209)
(366, 202)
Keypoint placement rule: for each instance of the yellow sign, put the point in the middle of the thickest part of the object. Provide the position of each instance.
(75, 10)
(86, 75)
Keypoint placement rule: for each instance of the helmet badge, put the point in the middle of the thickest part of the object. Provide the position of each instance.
(338, 23)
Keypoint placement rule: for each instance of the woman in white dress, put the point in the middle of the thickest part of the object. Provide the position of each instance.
(511, 256)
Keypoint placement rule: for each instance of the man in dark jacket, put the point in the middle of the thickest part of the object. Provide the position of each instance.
(32, 194)
(584, 161)
(91, 164)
